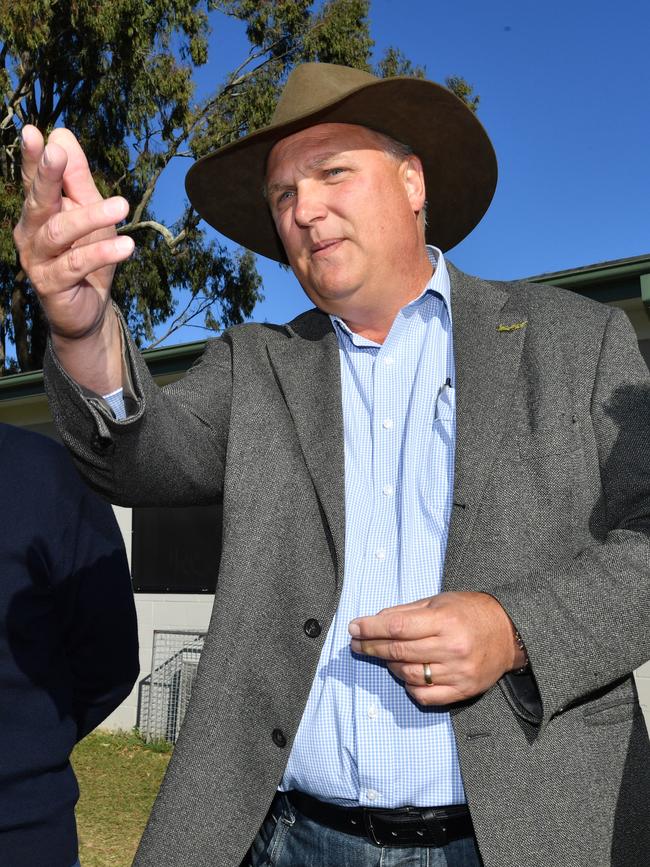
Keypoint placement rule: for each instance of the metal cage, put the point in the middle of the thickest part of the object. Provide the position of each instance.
(165, 693)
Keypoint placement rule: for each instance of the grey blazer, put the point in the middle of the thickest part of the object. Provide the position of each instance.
(551, 515)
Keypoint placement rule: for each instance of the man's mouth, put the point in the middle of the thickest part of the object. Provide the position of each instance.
(322, 247)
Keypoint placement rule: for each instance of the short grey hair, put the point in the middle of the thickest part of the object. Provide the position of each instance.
(396, 149)
(399, 151)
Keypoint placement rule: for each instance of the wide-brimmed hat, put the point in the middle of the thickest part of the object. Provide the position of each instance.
(460, 169)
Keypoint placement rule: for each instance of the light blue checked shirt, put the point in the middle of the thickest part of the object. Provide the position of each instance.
(362, 740)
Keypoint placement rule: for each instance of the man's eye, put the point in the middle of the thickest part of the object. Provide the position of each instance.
(284, 196)
(337, 170)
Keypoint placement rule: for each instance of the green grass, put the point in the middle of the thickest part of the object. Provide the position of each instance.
(119, 775)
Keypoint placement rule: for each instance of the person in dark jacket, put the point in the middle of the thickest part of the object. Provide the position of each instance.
(68, 641)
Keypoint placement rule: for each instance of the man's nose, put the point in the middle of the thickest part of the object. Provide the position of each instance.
(310, 206)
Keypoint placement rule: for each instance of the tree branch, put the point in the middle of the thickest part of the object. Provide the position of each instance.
(254, 55)
(64, 99)
(168, 236)
(14, 100)
(151, 186)
(183, 318)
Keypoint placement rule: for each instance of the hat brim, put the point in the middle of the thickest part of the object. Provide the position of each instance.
(460, 166)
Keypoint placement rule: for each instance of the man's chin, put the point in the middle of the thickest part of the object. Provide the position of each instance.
(331, 297)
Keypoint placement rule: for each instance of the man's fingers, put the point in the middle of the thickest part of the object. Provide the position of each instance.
(414, 651)
(413, 673)
(62, 230)
(43, 197)
(402, 623)
(32, 145)
(48, 171)
(78, 181)
(438, 696)
(73, 266)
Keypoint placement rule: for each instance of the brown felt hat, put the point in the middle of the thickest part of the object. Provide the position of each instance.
(460, 169)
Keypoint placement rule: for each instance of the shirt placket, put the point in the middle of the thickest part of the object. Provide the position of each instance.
(381, 566)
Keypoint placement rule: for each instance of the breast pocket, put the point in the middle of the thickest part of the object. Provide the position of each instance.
(549, 476)
(443, 416)
(555, 434)
(445, 404)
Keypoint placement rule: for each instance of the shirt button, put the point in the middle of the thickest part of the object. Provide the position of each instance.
(372, 795)
(388, 490)
(381, 554)
(389, 361)
(387, 424)
(279, 738)
(372, 712)
(312, 627)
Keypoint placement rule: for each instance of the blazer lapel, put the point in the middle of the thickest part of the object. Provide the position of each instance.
(489, 333)
(307, 369)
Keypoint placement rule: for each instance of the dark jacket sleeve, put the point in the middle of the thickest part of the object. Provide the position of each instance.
(101, 628)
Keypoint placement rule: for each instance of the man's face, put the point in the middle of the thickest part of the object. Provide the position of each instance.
(345, 211)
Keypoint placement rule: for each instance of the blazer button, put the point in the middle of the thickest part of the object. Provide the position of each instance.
(312, 627)
(101, 445)
(279, 738)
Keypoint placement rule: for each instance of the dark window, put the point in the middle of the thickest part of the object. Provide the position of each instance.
(176, 550)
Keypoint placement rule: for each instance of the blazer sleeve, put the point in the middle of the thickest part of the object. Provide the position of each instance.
(173, 442)
(587, 625)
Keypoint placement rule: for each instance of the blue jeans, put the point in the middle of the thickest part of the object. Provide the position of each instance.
(289, 839)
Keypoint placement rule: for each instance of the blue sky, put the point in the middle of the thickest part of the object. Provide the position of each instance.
(565, 98)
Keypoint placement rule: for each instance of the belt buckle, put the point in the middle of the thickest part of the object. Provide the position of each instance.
(438, 833)
(370, 829)
(433, 833)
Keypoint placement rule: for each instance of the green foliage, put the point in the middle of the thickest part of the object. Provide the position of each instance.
(120, 75)
(463, 90)
(395, 63)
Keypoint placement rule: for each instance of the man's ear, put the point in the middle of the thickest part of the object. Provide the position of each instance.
(413, 179)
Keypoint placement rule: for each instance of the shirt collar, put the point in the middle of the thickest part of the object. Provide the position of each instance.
(438, 284)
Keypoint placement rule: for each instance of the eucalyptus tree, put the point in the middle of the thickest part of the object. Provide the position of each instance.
(122, 75)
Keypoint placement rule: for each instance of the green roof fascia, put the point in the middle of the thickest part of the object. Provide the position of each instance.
(173, 359)
(606, 281)
(167, 359)
(645, 290)
(21, 385)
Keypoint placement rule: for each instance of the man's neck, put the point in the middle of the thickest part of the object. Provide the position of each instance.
(375, 324)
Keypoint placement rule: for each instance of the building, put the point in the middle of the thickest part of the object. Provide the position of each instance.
(174, 552)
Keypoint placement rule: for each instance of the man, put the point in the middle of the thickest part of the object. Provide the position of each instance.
(416, 417)
(68, 641)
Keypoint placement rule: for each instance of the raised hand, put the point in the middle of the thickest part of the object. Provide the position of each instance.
(466, 639)
(69, 248)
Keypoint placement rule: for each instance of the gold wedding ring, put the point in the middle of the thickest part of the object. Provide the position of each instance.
(428, 679)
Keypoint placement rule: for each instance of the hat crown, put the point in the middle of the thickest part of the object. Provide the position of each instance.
(313, 85)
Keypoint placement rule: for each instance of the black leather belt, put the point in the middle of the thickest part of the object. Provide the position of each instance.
(407, 826)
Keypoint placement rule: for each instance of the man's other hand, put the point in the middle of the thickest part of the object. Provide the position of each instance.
(467, 640)
(66, 235)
